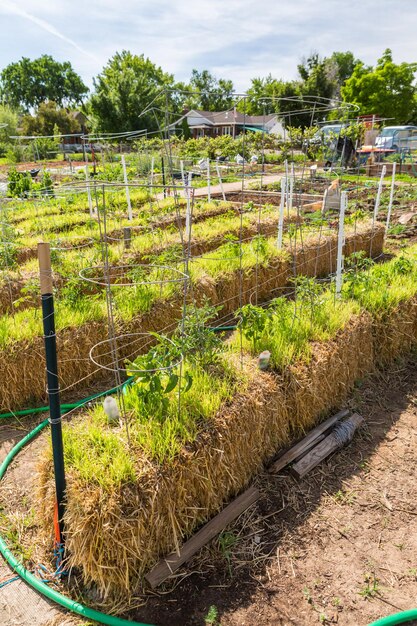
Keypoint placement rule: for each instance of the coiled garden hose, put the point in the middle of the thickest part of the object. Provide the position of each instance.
(37, 584)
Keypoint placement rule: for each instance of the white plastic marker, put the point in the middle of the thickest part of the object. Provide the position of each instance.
(340, 242)
(220, 180)
(391, 196)
(182, 173)
(291, 190)
(188, 209)
(208, 181)
(90, 202)
(129, 206)
(111, 409)
(281, 211)
(378, 195)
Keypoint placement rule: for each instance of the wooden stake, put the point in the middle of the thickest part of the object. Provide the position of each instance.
(171, 563)
(127, 237)
(323, 449)
(305, 444)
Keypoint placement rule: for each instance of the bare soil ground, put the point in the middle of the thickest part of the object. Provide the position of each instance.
(339, 547)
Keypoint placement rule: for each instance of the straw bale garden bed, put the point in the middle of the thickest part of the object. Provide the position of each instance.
(200, 419)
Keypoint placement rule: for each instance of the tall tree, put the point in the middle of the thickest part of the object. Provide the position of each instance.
(26, 83)
(387, 89)
(270, 95)
(130, 94)
(210, 93)
(8, 124)
(49, 120)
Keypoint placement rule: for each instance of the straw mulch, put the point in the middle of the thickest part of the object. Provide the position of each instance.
(322, 383)
(22, 365)
(114, 539)
(395, 332)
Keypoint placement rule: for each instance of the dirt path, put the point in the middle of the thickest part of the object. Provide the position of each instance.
(339, 547)
(231, 187)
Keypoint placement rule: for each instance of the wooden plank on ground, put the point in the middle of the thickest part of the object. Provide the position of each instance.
(171, 563)
(305, 444)
(322, 450)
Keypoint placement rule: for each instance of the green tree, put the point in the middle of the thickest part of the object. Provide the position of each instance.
(48, 119)
(340, 67)
(128, 86)
(387, 90)
(208, 93)
(27, 83)
(270, 95)
(8, 126)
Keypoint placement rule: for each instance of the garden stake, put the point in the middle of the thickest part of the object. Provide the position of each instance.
(281, 212)
(378, 195)
(163, 176)
(391, 196)
(340, 242)
(127, 237)
(90, 203)
(220, 181)
(55, 419)
(129, 205)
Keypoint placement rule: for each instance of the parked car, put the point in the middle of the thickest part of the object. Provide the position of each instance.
(327, 134)
(398, 138)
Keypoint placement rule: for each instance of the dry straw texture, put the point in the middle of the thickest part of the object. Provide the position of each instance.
(22, 365)
(395, 332)
(115, 539)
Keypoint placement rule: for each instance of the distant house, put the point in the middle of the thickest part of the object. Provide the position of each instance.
(232, 122)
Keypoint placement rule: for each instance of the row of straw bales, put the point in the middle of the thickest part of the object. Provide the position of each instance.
(22, 365)
(114, 539)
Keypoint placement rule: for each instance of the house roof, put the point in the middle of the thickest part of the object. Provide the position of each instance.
(231, 117)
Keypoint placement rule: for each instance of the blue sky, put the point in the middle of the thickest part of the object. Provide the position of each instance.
(236, 39)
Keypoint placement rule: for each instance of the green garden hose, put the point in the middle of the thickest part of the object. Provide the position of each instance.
(397, 618)
(37, 584)
(64, 407)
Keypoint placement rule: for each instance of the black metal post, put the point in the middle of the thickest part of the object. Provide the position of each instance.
(163, 175)
(44, 256)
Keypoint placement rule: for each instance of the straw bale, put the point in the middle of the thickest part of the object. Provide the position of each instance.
(318, 257)
(395, 332)
(114, 538)
(322, 383)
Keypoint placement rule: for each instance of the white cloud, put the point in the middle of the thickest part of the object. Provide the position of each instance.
(237, 39)
(13, 8)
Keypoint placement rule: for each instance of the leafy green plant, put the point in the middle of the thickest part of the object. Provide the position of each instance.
(19, 184)
(156, 374)
(212, 615)
(227, 540)
(253, 321)
(200, 344)
(371, 586)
